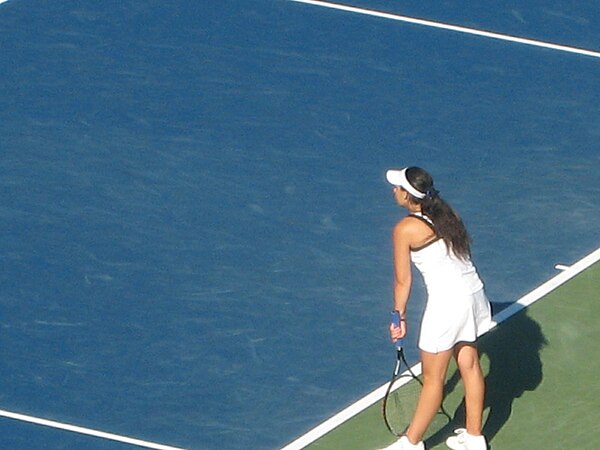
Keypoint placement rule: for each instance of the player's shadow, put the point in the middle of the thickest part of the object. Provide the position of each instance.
(513, 350)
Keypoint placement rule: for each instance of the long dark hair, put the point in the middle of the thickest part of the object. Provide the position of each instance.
(448, 224)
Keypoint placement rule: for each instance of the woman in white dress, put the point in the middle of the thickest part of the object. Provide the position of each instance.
(433, 238)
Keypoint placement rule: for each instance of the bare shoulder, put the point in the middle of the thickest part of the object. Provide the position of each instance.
(412, 230)
(405, 227)
(408, 224)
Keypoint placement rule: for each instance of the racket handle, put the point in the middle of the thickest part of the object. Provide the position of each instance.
(396, 318)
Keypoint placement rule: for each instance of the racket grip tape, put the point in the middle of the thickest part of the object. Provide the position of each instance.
(396, 319)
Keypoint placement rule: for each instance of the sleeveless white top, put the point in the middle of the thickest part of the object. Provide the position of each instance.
(457, 309)
(442, 270)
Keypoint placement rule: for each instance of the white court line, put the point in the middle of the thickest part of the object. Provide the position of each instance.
(445, 26)
(370, 399)
(86, 431)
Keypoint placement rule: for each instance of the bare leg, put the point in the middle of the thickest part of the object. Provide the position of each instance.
(435, 366)
(467, 359)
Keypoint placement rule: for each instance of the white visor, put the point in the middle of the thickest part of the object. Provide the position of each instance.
(397, 177)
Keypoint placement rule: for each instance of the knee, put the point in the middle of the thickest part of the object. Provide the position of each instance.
(467, 359)
(469, 364)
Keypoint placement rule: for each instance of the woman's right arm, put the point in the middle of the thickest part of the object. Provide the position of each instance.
(402, 272)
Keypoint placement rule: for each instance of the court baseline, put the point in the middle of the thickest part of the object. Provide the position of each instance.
(85, 431)
(450, 27)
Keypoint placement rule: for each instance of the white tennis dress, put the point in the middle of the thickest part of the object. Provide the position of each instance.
(457, 309)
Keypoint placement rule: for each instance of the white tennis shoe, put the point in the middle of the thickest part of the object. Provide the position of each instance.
(404, 444)
(465, 441)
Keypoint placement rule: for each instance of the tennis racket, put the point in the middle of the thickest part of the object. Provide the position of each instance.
(399, 404)
(402, 394)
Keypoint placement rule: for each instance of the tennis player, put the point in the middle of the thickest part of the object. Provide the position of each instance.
(433, 237)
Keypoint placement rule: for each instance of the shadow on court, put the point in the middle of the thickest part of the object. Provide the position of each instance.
(510, 357)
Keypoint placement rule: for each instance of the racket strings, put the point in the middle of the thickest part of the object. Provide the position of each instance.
(399, 404)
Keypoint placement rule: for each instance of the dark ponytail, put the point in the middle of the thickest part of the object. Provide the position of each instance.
(447, 222)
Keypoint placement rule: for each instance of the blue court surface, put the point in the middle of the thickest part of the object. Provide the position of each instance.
(195, 226)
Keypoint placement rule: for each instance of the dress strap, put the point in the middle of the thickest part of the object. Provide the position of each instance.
(427, 221)
(423, 218)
